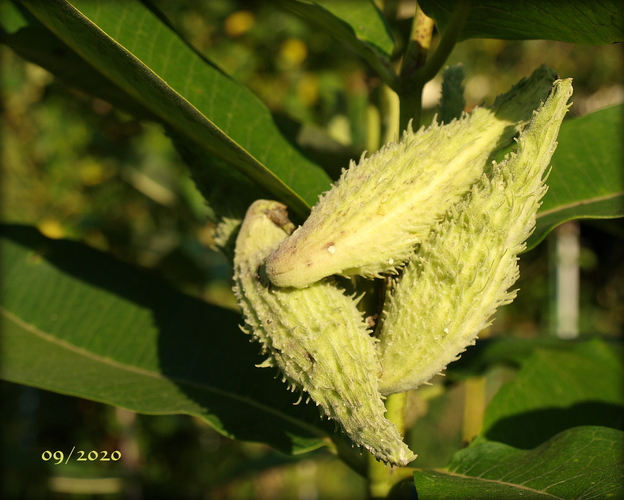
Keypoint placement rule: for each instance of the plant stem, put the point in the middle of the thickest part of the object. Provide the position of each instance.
(373, 128)
(390, 112)
(418, 46)
(474, 408)
(410, 85)
(395, 410)
(416, 70)
(382, 477)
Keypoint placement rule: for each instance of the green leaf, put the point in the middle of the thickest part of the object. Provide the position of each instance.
(77, 322)
(584, 462)
(556, 390)
(11, 18)
(358, 24)
(571, 21)
(132, 47)
(586, 180)
(546, 433)
(509, 350)
(227, 190)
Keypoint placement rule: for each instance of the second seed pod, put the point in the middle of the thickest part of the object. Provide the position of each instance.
(460, 274)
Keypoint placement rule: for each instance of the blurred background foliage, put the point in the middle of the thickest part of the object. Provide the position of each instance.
(78, 168)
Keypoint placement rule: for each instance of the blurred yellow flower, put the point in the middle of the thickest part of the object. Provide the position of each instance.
(91, 173)
(239, 22)
(308, 88)
(293, 51)
(51, 228)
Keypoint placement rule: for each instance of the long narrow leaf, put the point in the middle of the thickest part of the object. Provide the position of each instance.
(551, 432)
(556, 390)
(76, 321)
(572, 21)
(584, 462)
(587, 180)
(132, 47)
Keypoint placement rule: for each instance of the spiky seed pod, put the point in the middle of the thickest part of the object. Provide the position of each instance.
(463, 272)
(316, 337)
(371, 220)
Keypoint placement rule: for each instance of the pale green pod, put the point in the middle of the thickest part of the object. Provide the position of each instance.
(463, 272)
(371, 220)
(316, 337)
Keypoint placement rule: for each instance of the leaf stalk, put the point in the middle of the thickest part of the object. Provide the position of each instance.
(416, 70)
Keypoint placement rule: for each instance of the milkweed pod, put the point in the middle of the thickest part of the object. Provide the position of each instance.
(463, 271)
(371, 220)
(316, 337)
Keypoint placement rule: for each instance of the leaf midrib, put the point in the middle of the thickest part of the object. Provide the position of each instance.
(579, 203)
(495, 481)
